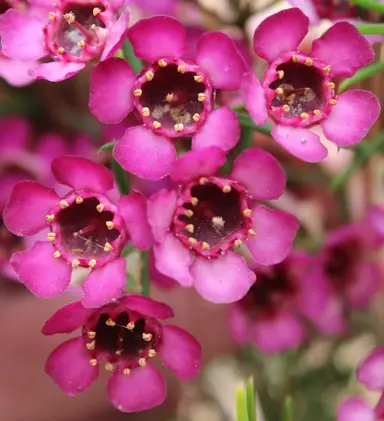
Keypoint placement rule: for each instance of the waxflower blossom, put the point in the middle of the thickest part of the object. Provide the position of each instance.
(124, 336)
(173, 95)
(84, 228)
(196, 225)
(298, 89)
(72, 34)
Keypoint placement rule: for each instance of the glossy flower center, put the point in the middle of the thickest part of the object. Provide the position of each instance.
(213, 216)
(173, 97)
(123, 338)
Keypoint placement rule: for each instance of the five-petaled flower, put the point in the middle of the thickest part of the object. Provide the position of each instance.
(173, 95)
(298, 89)
(124, 336)
(84, 229)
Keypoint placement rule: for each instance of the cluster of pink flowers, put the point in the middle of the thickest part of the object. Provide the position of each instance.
(202, 227)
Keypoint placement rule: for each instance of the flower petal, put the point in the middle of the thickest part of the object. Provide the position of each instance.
(201, 162)
(222, 129)
(15, 133)
(218, 56)
(40, 272)
(275, 231)
(174, 260)
(116, 35)
(355, 409)
(160, 210)
(16, 72)
(143, 389)
(223, 280)
(371, 371)
(82, 174)
(158, 36)
(147, 306)
(301, 143)
(280, 33)
(66, 319)
(238, 324)
(133, 209)
(22, 36)
(68, 366)
(145, 154)
(28, 205)
(254, 98)
(110, 91)
(260, 173)
(105, 284)
(158, 278)
(181, 352)
(344, 49)
(56, 71)
(308, 8)
(352, 117)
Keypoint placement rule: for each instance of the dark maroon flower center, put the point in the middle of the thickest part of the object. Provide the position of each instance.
(123, 338)
(173, 97)
(335, 9)
(213, 216)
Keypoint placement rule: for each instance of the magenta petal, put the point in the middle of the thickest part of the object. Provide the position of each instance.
(371, 370)
(160, 210)
(223, 280)
(201, 162)
(68, 366)
(40, 272)
(301, 143)
(174, 260)
(133, 209)
(28, 205)
(145, 154)
(147, 306)
(254, 98)
(82, 174)
(260, 173)
(344, 49)
(239, 324)
(275, 231)
(344, 126)
(222, 129)
(56, 71)
(218, 56)
(105, 284)
(116, 35)
(143, 389)
(66, 319)
(110, 91)
(181, 352)
(22, 36)
(308, 8)
(158, 36)
(21, 134)
(158, 278)
(280, 33)
(355, 409)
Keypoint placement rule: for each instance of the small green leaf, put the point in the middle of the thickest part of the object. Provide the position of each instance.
(241, 403)
(362, 74)
(145, 287)
(120, 177)
(129, 55)
(374, 5)
(108, 146)
(251, 399)
(246, 121)
(287, 409)
(371, 28)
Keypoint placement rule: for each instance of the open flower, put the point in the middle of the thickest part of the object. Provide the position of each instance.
(196, 225)
(124, 336)
(298, 89)
(85, 229)
(173, 95)
(72, 34)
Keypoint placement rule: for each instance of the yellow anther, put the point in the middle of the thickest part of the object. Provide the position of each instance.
(190, 228)
(93, 362)
(162, 63)
(188, 212)
(96, 11)
(92, 263)
(203, 180)
(110, 322)
(295, 59)
(156, 125)
(137, 92)
(251, 232)
(64, 204)
(119, 352)
(205, 245)
(90, 345)
(108, 247)
(179, 127)
(331, 85)
(238, 243)
(75, 263)
(192, 240)
(304, 115)
(201, 97)
(142, 362)
(60, 50)
(218, 221)
(126, 371)
(149, 75)
(147, 337)
(91, 334)
(170, 97)
(280, 74)
(69, 17)
(247, 212)
(308, 61)
(196, 117)
(56, 254)
(110, 225)
(226, 188)
(100, 207)
(181, 69)
(198, 78)
(51, 236)
(51, 15)
(279, 91)
(94, 27)
(151, 353)
(109, 367)
(317, 113)
(130, 325)
(327, 68)
(79, 200)
(332, 102)
(145, 112)
(286, 108)
(194, 201)
(50, 218)
(81, 43)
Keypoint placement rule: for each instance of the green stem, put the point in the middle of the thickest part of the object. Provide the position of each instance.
(120, 177)
(144, 280)
(108, 146)
(364, 73)
(287, 409)
(129, 55)
(246, 121)
(241, 403)
(369, 4)
(371, 28)
(251, 399)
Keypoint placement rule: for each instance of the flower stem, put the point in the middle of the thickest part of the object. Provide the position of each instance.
(107, 146)
(241, 403)
(369, 4)
(144, 279)
(371, 28)
(364, 73)
(251, 399)
(129, 55)
(120, 177)
(287, 409)
(247, 122)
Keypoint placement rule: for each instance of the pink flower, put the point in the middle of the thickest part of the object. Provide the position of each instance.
(298, 89)
(375, 219)
(125, 335)
(356, 409)
(85, 229)
(173, 95)
(70, 35)
(196, 225)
